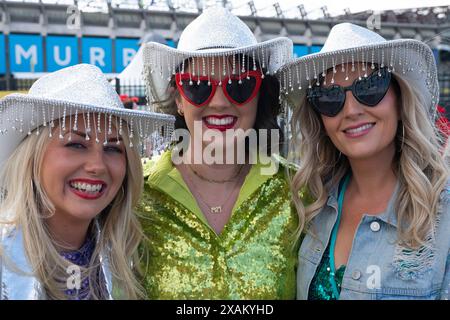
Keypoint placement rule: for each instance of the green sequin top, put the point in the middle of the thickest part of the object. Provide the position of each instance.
(321, 286)
(254, 257)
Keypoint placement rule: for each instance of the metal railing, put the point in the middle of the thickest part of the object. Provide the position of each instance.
(132, 88)
(13, 84)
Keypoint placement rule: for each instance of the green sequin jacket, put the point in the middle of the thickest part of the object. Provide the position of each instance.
(254, 257)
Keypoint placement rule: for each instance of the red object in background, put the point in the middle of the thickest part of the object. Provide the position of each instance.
(129, 102)
(442, 122)
(127, 98)
(124, 97)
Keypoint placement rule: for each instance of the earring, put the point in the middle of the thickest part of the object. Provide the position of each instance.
(403, 137)
(180, 112)
(317, 150)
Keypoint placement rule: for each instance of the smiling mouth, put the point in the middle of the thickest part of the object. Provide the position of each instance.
(87, 190)
(359, 130)
(221, 123)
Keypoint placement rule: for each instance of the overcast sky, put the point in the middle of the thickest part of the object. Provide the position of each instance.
(266, 7)
(335, 7)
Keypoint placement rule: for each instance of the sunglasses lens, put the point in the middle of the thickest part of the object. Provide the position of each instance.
(327, 101)
(371, 90)
(241, 92)
(197, 93)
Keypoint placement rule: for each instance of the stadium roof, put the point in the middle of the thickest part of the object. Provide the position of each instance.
(265, 8)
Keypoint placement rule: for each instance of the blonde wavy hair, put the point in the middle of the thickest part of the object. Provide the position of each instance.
(419, 166)
(26, 205)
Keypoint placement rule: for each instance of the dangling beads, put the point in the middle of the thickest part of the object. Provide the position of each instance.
(224, 63)
(99, 128)
(233, 71)
(203, 66)
(109, 124)
(117, 133)
(105, 142)
(131, 133)
(120, 127)
(88, 129)
(75, 125)
(298, 73)
(96, 129)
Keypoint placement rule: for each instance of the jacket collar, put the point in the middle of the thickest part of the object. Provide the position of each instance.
(164, 176)
(388, 216)
(17, 282)
(20, 283)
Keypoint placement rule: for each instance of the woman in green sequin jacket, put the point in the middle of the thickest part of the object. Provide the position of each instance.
(218, 231)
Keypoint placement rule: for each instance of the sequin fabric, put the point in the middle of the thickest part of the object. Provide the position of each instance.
(81, 257)
(254, 257)
(321, 286)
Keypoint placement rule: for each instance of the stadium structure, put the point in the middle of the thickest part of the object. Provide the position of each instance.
(42, 35)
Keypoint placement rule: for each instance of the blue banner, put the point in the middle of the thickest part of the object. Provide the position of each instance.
(97, 51)
(25, 53)
(314, 49)
(2, 55)
(171, 43)
(126, 49)
(300, 50)
(62, 51)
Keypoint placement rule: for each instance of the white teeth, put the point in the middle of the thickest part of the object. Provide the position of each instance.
(360, 129)
(86, 187)
(219, 122)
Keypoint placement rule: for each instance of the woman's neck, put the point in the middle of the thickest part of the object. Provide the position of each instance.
(214, 171)
(68, 234)
(374, 175)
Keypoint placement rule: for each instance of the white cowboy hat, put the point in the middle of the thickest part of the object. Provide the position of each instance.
(346, 44)
(80, 89)
(215, 33)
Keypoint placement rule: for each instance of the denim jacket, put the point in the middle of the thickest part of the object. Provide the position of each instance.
(378, 268)
(17, 281)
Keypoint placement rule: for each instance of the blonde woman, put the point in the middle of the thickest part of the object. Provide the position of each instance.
(363, 128)
(70, 177)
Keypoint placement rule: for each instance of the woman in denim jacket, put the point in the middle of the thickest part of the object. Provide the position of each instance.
(373, 162)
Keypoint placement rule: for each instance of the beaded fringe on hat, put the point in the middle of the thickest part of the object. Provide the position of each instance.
(395, 55)
(166, 62)
(45, 113)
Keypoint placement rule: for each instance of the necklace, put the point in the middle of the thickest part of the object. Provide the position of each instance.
(213, 209)
(215, 181)
(332, 267)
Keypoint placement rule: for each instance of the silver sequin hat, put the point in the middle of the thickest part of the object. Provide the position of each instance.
(412, 60)
(214, 33)
(80, 89)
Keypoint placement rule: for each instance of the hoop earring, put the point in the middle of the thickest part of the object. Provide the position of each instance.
(403, 137)
(317, 151)
(180, 112)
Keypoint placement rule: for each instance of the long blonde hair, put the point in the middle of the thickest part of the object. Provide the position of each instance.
(26, 205)
(419, 166)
